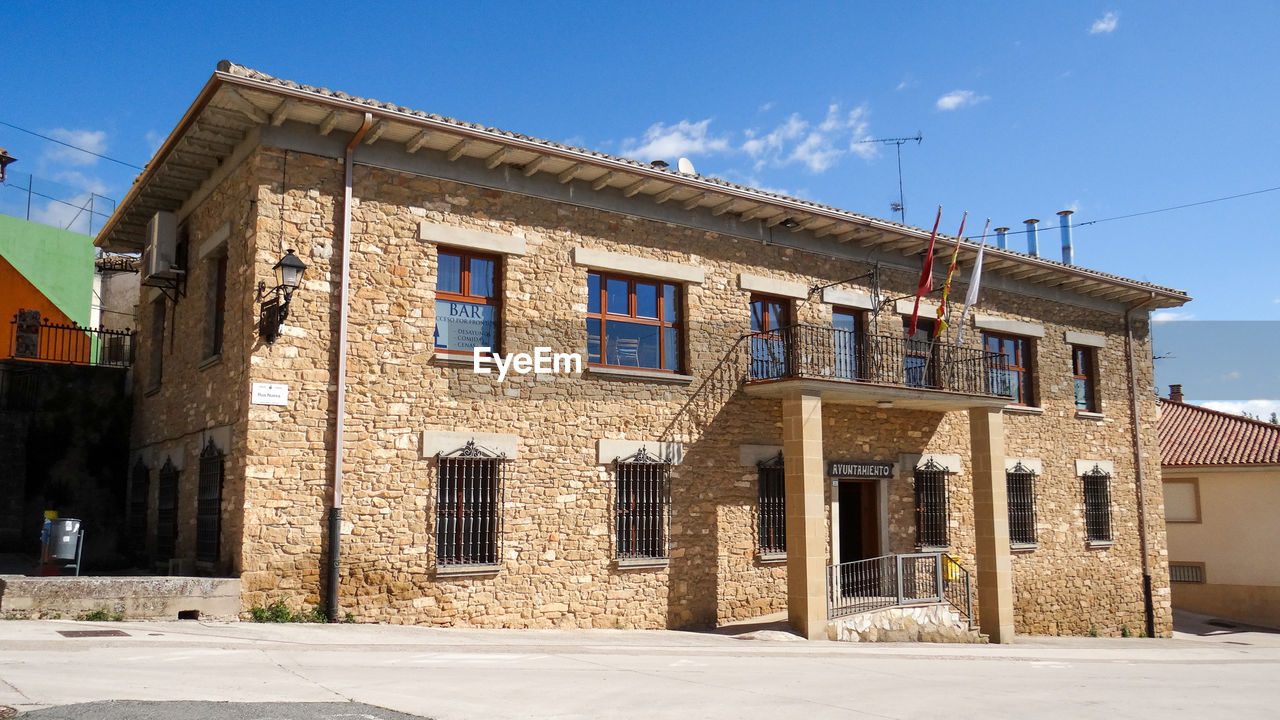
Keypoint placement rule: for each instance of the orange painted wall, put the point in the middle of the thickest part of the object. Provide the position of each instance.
(16, 292)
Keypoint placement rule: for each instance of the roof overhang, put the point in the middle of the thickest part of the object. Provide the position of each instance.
(236, 101)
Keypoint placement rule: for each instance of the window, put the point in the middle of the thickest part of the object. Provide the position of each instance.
(139, 489)
(847, 343)
(1097, 505)
(469, 507)
(770, 321)
(1011, 376)
(1186, 572)
(772, 523)
(1082, 369)
(1182, 500)
(155, 355)
(1020, 482)
(216, 304)
(167, 511)
(468, 302)
(209, 503)
(932, 512)
(633, 323)
(920, 355)
(643, 506)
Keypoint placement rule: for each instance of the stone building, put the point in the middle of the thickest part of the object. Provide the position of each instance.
(732, 343)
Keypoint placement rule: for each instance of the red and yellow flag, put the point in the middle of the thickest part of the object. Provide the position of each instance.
(946, 287)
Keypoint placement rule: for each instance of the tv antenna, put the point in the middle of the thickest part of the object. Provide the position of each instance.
(900, 206)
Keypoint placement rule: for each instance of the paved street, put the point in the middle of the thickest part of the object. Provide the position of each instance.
(459, 674)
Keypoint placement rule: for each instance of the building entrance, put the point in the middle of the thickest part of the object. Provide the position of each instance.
(859, 530)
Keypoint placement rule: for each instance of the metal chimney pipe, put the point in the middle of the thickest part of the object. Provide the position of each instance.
(1033, 242)
(1064, 223)
(1001, 240)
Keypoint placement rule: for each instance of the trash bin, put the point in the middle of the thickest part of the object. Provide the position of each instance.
(65, 536)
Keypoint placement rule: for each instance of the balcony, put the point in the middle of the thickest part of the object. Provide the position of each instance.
(883, 370)
(37, 340)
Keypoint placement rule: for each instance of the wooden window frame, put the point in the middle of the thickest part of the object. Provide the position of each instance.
(1023, 363)
(858, 359)
(605, 317)
(1088, 357)
(217, 304)
(464, 284)
(931, 370)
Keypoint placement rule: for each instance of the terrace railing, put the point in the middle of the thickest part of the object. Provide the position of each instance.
(43, 341)
(824, 353)
(896, 580)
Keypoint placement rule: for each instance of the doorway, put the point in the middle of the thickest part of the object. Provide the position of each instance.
(859, 531)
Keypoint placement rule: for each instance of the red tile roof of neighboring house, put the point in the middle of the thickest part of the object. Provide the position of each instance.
(1191, 435)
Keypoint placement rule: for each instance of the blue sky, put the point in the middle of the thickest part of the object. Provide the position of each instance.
(1109, 108)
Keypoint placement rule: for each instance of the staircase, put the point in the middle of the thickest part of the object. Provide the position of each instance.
(925, 597)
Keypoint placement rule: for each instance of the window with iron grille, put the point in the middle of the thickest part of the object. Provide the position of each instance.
(469, 507)
(643, 509)
(216, 303)
(772, 522)
(209, 503)
(166, 511)
(1186, 572)
(1021, 485)
(139, 489)
(932, 512)
(155, 344)
(1097, 505)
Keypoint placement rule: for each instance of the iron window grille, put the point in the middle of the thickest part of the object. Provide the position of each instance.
(1186, 572)
(1097, 505)
(1020, 482)
(139, 489)
(167, 511)
(772, 521)
(209, 503)
(469, 506)
(933, 514)
(643, 507)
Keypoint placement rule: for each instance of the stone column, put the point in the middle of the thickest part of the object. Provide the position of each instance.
(991, 522)
(806, 514)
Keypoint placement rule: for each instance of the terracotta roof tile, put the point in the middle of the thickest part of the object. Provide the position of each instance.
(1192, 435)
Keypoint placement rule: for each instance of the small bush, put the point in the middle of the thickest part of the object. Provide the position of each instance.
(1093, 632)
(1124, 631)
(278, 612)
(100, 615)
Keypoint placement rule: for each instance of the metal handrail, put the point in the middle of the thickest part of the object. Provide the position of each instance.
(825, 353)
(898, 580)
(74, 344)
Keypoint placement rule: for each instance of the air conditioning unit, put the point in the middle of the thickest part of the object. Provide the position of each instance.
(159, 259)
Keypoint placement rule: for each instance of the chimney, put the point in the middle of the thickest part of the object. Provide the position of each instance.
(1175, 393)
(1000, 237)
(1033, 242)
(5, 159)
(1064, 223)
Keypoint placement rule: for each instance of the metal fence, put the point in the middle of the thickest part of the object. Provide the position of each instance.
(38, 339)
(892, 580)
(815, 352)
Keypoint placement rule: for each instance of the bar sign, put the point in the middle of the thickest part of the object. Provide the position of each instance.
(859, 469)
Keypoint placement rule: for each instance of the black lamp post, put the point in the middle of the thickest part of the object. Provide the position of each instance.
(275, 302)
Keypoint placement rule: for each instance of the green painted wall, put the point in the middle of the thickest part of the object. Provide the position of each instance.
(58, 262)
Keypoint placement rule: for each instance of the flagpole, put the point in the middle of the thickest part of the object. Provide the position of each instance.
(941, 326)
(975, 281)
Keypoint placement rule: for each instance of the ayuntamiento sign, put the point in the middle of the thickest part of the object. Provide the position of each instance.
(861, 469)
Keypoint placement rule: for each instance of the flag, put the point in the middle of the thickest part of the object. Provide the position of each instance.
(946, 286)
(926, 275)
(975, 279)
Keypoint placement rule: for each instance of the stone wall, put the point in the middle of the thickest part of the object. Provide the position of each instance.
(557, 554)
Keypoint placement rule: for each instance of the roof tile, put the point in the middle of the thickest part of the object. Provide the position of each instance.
(1192, 435)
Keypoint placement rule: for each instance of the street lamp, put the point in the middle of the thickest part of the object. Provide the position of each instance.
(275, 301)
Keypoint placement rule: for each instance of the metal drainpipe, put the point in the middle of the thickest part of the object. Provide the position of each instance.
(335, 510)
(1148, 605)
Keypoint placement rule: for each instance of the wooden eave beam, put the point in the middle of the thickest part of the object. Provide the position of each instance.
(457, 150)
(569, 173)
(694, 201)
(533, 167)
(813, 223)
(665, 195)
(497, 158)
(282, 112)
(775, 219)
(605, 179)
(723, 207)
(635, 187)
(753, 212)
(417, 141)
(330, 122)
(376, 132)
(245, 107)
(828, 230)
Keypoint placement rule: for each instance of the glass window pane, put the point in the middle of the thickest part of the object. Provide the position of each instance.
(482, 277)
(671, 349)
(844, 320)
(777, 314)
(670, 304)
(617, 290)
(757, 315)
(632, 345)
(593, 293)
(593, 340)
(646, 300)
(449, 276)
(463, 326)
(1082, 394)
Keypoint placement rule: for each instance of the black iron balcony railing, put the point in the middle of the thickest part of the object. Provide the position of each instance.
(44, 341)
(823, 353)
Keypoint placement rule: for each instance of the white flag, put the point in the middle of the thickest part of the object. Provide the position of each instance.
(975, 279)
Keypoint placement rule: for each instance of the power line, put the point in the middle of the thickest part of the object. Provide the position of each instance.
(67, 144)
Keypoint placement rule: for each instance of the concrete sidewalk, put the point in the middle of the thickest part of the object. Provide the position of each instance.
(652, 674)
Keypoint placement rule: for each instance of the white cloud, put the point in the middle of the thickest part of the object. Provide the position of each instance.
(1163, 316)
(154, 139)
(957, 99)
(682, 139)
(1104, 24)
(1260, 407)
(69, 214)
(91, 140)
(765, 107)
(1233, 375)
(818, 146)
